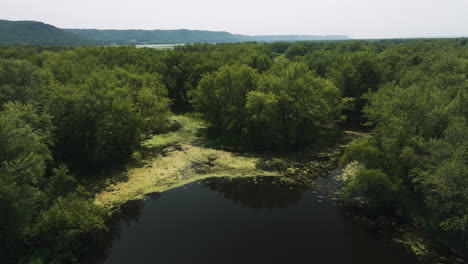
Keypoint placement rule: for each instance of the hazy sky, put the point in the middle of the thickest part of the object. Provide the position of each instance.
(355, 18)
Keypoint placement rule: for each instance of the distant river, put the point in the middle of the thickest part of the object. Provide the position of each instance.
(159, 46)
(249, 220)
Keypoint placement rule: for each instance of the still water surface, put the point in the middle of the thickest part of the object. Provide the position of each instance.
(256, 220)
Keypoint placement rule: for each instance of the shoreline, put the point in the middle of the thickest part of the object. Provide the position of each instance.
(180, 157)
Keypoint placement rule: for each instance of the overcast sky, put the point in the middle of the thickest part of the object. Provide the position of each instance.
(355, 18)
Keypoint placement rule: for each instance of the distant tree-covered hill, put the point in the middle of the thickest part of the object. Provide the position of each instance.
(272, 38)
(38, 33)
(132, 36)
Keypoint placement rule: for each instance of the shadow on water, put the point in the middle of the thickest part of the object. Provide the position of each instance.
(256, 192)
(129, 213)
(241, 220)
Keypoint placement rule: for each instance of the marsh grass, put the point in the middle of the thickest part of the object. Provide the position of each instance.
(188, 154)
(173, 159)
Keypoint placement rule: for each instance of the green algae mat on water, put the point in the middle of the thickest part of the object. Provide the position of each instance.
(183, 156)
(179, 160)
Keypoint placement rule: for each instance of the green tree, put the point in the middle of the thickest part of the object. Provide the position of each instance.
(20, 81)
(221, 97)
(24, 154)
(290, 106)
(62, 225)
(381, 189)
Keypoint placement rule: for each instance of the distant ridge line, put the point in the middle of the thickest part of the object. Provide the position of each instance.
(39, 33)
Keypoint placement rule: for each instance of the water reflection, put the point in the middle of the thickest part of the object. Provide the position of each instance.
(256, 192)
(243, 220)
(99, 249)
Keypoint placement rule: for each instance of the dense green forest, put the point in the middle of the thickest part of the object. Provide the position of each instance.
(68, 112)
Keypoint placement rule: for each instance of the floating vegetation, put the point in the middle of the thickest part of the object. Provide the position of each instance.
(180, 157)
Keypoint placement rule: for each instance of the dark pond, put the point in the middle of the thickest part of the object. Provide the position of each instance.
(256, 220)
